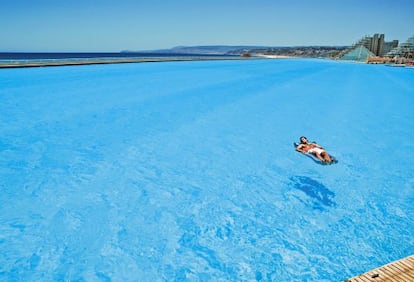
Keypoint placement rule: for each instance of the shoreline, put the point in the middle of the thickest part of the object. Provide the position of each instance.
(274, 56)
(75, 62)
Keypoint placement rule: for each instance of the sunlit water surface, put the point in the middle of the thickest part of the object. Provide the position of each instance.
(186, 171)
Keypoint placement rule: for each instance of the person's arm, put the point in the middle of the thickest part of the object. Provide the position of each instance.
(300, 148)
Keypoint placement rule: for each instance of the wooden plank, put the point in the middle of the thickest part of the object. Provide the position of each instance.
(398, 271)
(396, 274)
(363, 278)
(402, 267)
(410, 261)
(359, 279)
(385, 275)
(408, 266)
(401, 273)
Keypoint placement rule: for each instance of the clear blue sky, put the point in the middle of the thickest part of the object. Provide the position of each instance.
(115, 25)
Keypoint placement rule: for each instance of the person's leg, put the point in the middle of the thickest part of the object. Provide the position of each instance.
(326, 157)
(319, 157)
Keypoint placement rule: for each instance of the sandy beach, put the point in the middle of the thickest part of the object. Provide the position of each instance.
(273, 56)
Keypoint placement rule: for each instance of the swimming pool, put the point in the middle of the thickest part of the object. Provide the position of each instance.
(186, 171)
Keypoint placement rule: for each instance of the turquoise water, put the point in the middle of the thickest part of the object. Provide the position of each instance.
(186, 171)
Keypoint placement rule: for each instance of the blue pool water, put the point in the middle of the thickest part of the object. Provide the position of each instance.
(186, 171)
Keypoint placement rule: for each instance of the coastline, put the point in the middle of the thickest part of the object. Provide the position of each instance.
(274, 56)
(79, 62)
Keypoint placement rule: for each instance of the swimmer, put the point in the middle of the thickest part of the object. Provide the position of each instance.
(316, 150)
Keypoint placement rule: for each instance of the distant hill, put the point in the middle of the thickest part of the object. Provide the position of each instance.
(291, 51)
(208, 50)
(217, 50)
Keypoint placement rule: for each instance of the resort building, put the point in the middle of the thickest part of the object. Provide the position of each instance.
(405, 50)
(388, 46)
(360, 53)
(369, 46)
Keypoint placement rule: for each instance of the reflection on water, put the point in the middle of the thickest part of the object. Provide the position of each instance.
(319, 195)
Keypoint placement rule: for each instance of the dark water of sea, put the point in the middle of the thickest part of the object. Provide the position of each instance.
(57, 56)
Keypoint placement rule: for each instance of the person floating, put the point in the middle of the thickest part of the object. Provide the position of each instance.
(316, 150)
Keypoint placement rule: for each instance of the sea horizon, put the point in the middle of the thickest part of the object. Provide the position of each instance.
(82, 55)
(43, 59)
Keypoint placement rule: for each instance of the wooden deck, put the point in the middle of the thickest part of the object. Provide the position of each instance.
(398, 271)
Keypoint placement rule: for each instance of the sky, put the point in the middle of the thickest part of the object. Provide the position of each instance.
(136, 25)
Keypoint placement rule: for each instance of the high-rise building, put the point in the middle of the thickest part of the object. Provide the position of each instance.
(388, 46)
(374, 43)
(377, 43)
